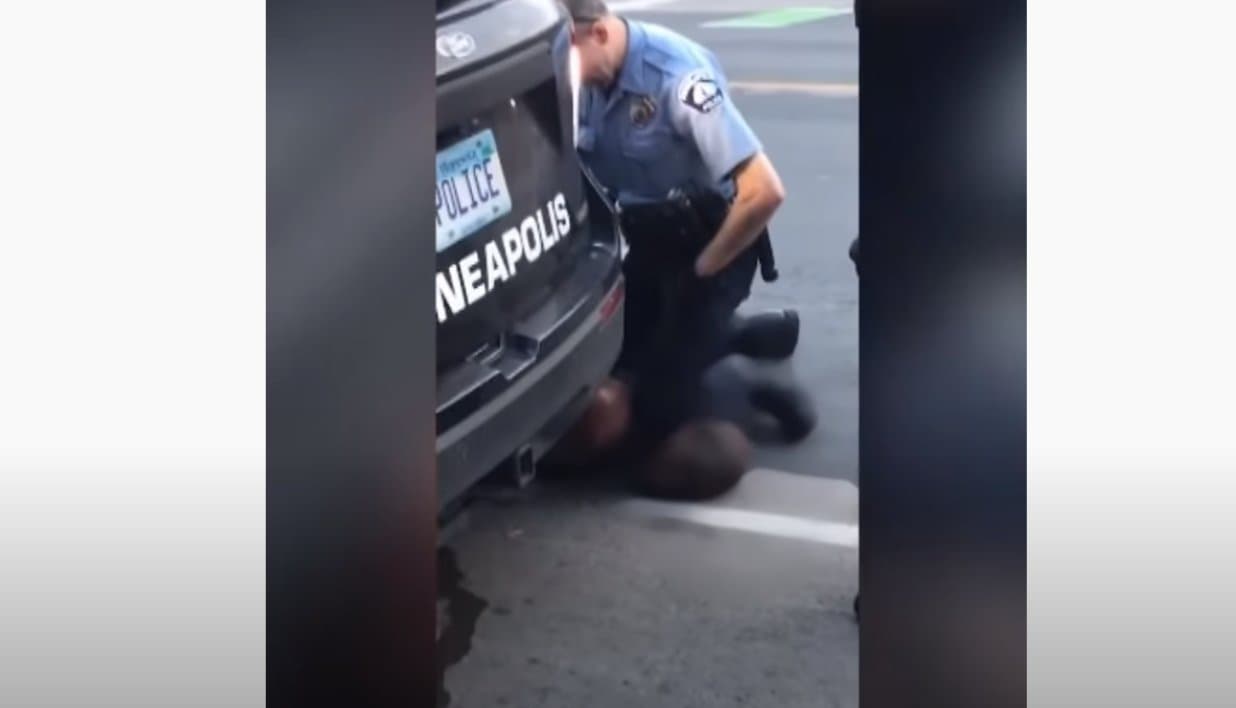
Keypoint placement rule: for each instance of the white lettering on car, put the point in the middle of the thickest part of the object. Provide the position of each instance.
(532, 244)
(514, 249)
(450, 292)
(547, 238)
(495, 265)
(564, 216)
(472, 277)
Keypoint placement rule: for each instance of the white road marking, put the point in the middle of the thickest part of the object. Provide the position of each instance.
(772, 503)
(718, 8)
(827, 532)
(629, 5)
(811, 88)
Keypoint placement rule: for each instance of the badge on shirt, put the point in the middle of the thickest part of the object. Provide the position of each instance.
(642, 110)
(699, 90)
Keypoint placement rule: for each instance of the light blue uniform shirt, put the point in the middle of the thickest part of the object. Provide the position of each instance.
(668, 121)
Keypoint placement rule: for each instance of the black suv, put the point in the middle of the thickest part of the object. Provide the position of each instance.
(528, 289)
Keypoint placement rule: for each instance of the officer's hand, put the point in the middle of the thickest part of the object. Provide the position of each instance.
(760, 194)
(703, 267)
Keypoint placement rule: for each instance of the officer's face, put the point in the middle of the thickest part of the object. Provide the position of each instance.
(593, 41)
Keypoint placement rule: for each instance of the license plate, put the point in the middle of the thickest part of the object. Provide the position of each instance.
(470, 192)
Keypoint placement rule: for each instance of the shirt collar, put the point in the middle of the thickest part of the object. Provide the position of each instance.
(631, 75)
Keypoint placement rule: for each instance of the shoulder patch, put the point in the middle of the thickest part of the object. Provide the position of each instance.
(700, 91)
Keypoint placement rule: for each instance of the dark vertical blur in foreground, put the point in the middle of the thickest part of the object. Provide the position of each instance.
(943, 353)
(350, 342)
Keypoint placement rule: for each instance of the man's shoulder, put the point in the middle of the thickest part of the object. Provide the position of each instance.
(673, 56)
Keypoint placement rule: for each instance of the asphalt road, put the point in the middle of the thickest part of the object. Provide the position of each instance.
(572, 595)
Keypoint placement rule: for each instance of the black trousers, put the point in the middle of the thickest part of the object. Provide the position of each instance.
(676, 327)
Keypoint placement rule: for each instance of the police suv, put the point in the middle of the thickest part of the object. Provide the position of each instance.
(528, 288)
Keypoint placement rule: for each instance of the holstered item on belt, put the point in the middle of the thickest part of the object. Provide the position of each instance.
(680, 226)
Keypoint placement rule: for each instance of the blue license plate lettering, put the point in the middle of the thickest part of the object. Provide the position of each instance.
(470, 191)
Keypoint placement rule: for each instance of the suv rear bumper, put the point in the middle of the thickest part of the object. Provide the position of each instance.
(538, 406)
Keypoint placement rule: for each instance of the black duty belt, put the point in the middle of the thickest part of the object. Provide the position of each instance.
(682, 225)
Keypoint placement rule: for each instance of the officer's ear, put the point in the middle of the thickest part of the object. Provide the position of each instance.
(581, 31)
(600, 32)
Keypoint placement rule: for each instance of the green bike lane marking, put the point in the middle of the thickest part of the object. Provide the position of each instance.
(776, 19)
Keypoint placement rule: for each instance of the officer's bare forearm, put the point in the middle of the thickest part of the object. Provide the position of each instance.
(743, 224)
(759, 195)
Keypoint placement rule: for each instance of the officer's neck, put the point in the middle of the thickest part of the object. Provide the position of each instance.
(622, 36)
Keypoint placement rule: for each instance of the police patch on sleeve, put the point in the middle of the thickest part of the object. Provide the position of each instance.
(699, 90)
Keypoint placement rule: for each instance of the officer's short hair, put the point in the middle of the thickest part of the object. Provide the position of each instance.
(585, 11)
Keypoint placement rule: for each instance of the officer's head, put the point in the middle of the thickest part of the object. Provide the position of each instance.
(599, 38)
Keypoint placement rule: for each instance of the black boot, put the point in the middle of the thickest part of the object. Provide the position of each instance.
(766, 335)
(788, 404)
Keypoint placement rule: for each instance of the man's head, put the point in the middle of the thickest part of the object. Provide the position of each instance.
(701, 460)
(600, 39)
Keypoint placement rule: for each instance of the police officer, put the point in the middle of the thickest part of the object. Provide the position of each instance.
(655, 116)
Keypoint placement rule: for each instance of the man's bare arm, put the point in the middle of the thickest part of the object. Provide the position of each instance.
(759, 195)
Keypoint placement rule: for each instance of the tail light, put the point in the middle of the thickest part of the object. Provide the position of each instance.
(613, 301)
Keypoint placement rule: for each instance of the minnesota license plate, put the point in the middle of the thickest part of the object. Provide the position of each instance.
(470, 192)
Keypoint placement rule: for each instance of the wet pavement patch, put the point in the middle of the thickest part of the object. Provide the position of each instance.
(463, 610)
